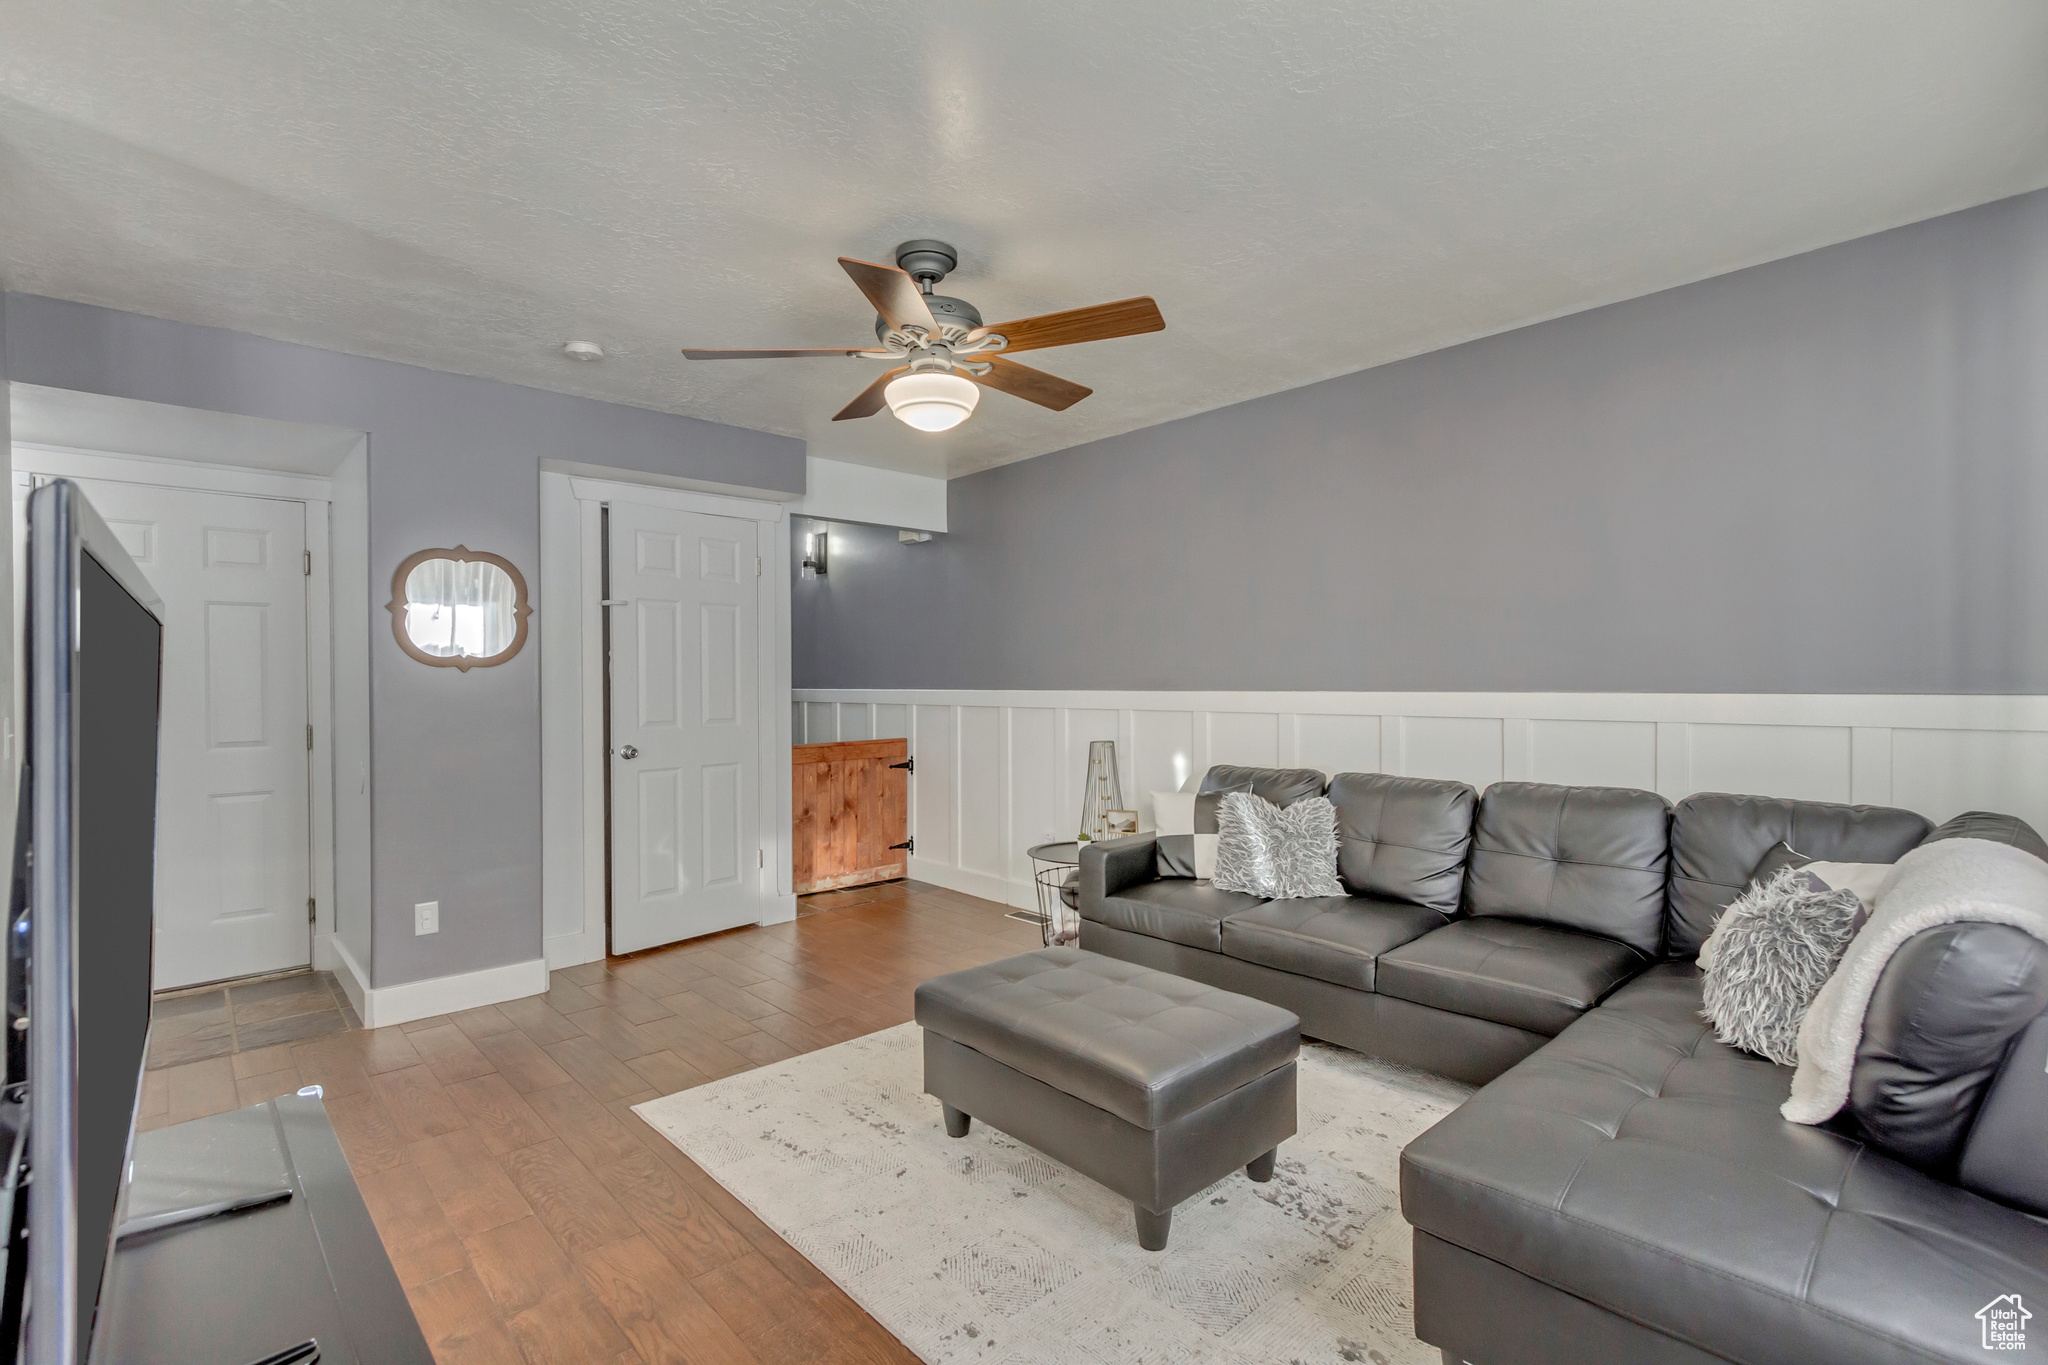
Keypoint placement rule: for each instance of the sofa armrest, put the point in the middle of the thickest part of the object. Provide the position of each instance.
(1112, 866)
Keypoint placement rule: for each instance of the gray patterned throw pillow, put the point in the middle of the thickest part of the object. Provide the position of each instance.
(1288, 854)
(1773, 949)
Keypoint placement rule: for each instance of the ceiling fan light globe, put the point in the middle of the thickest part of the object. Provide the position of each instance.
(932, 401)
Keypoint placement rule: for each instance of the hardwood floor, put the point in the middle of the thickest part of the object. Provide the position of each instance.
(532, 1217)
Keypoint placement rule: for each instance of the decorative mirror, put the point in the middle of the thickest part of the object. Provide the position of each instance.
(459, 608)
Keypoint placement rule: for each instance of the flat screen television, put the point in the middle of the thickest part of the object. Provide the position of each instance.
(81, 920)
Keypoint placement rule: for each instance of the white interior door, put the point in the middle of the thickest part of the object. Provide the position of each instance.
(685, 757)
(233, 861)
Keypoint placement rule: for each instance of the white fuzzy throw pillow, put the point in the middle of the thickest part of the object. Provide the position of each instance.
(1288, 854)
(1773, 949)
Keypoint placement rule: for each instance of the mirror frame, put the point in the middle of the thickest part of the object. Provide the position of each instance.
(461, 554)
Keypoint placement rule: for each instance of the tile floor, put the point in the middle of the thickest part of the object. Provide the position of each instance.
(197, 1025)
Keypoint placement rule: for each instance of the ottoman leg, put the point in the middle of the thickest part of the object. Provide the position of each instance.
(956, 1122)
(1152, 1227)
(1261, 1168)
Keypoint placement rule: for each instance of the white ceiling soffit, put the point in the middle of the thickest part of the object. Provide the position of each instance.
(128, 426)
(1308, 189)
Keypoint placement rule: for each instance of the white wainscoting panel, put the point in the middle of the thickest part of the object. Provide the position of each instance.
(1000, 771)
(1467, 748)
(1945, 772)
(1034, 785)
(933, 791)
(980, 834)
(1337, 744)
(1162, 757)
(1249, 739)
(1589, 753)
(820, 722)
(1806, 762)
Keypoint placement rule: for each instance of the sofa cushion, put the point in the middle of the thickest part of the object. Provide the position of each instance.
(1717, 840)
(1532, 976)
(1945, 1011)
(1403, 838)
(1640, 1165)
(1337, 939)
(1189, 824)
(1281, 786)
(1999, 829)
(2002, 1158)
(1590, 858)
(1176, 910)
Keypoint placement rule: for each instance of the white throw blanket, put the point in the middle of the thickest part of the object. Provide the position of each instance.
(1949, 882)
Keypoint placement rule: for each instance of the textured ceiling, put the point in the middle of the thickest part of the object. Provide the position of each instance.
(1308, 189)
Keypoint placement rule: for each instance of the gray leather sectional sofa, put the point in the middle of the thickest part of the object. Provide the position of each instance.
(1622, 1188)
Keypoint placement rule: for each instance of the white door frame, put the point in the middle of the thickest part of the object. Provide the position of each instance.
(573, 848)
(316, 493)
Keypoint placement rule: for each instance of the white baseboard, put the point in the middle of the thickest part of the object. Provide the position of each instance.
(355, 982)
(324, 957)
(571, 950)
(1017, 895)
(381, 1007)
(781, 910)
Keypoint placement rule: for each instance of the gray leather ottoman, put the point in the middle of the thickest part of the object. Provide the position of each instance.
(1155, 1086)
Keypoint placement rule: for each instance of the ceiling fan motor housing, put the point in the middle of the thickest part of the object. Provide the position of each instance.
(926, 261)
(956, 318)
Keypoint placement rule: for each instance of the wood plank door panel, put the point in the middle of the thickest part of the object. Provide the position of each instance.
(851, 804)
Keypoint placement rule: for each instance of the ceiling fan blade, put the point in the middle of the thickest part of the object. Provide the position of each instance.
(870, 400)
(894, 294)
(691, 354)
(1033, 386)
(1125, 317)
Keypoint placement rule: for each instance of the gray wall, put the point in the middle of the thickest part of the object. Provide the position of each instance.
(1825, 474)
(455, 757)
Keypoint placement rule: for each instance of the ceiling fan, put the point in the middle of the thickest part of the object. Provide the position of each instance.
(944, 350)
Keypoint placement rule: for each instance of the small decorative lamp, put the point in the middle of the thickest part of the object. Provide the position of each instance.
(1102, 793)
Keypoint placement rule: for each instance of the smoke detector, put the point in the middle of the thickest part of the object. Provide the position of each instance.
(583, 350)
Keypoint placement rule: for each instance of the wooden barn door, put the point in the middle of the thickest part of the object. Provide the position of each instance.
(852, 803)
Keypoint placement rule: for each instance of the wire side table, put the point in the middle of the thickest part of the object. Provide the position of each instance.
(1055, 868)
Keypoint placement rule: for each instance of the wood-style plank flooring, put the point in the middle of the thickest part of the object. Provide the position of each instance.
(531, 1215)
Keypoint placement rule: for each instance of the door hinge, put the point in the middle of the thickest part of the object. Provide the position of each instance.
(757, 566)
(309, 739)
(908, 845)
(760, 857)
(310, 916)
(908, 765)
(309, 563)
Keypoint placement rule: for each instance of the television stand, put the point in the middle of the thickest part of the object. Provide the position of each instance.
(246, 1241)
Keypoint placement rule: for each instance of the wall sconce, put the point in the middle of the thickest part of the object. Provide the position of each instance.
(816, 546)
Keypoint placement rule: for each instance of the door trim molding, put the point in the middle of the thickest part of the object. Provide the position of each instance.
(381, 1007)
(317, 495)
(572, 701)
(192, 476)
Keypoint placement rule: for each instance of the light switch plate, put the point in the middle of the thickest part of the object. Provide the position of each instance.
(426, 917)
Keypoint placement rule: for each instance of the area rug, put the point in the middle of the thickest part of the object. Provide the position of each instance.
(981, 1249)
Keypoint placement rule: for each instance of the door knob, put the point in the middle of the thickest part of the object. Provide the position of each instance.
(629, 752)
